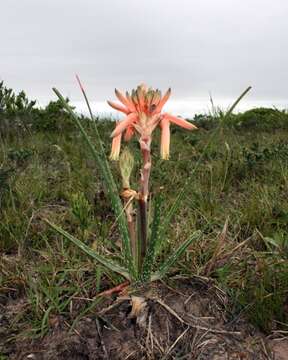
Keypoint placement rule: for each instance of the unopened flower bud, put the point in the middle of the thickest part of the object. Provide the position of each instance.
(126, 163)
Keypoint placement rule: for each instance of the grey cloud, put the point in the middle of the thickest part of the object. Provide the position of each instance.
(194, 46)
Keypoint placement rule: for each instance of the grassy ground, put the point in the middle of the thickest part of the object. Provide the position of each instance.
(242, 182)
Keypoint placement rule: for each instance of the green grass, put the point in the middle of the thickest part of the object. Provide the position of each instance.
(243, 177)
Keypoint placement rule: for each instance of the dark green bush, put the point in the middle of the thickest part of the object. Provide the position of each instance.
(52, 118)
(261, 119)
(18, 114)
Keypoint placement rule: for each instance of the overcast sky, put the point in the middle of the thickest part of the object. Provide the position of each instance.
(195, 46)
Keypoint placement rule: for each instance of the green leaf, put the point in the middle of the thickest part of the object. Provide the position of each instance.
(165, 267)
(154, 239)
(112, 190)
(269, 240)
(101, 259)
(236, 102)
(45, 320)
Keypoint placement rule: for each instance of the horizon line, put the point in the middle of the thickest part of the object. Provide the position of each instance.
(186, 108)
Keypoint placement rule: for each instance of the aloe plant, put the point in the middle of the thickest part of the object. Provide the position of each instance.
(141, 241)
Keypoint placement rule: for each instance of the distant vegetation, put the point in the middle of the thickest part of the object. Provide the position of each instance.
(46, 172)
(18, 113)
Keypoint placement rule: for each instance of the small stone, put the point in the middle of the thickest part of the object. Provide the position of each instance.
(31, 356)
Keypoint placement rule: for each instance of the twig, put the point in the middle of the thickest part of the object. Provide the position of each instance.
(214, 331)
(171, 311)
(188, 299)
(131, 354)
(71, 328)
(149, 334)
(175, 343)
(115, 304)
(101, 339)
(172, 289)
(237, 247)
(265, 350)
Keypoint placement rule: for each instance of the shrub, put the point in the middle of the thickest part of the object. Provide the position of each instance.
(261, 119)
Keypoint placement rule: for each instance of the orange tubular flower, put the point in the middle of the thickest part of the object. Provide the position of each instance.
(116, 146)
(165, 138)
(143, 114)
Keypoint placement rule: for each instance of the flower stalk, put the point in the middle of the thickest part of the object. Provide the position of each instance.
(143, 199)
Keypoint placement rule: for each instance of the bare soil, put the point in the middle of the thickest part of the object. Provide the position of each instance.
(187, 322)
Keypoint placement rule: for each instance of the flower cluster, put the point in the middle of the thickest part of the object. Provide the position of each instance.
(143, 110)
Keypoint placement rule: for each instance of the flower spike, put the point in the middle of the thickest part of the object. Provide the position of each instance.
(143, 108)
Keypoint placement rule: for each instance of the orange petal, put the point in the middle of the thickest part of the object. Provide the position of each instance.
(124, 124)
(163, 101)
(123, 99)
(155, 100)
(129, 133)
(118, 107)
(165, 138)
(134, 99)
(149, 96)
(141, 99)
(131, 104)
(116, 145)
(180, 122)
